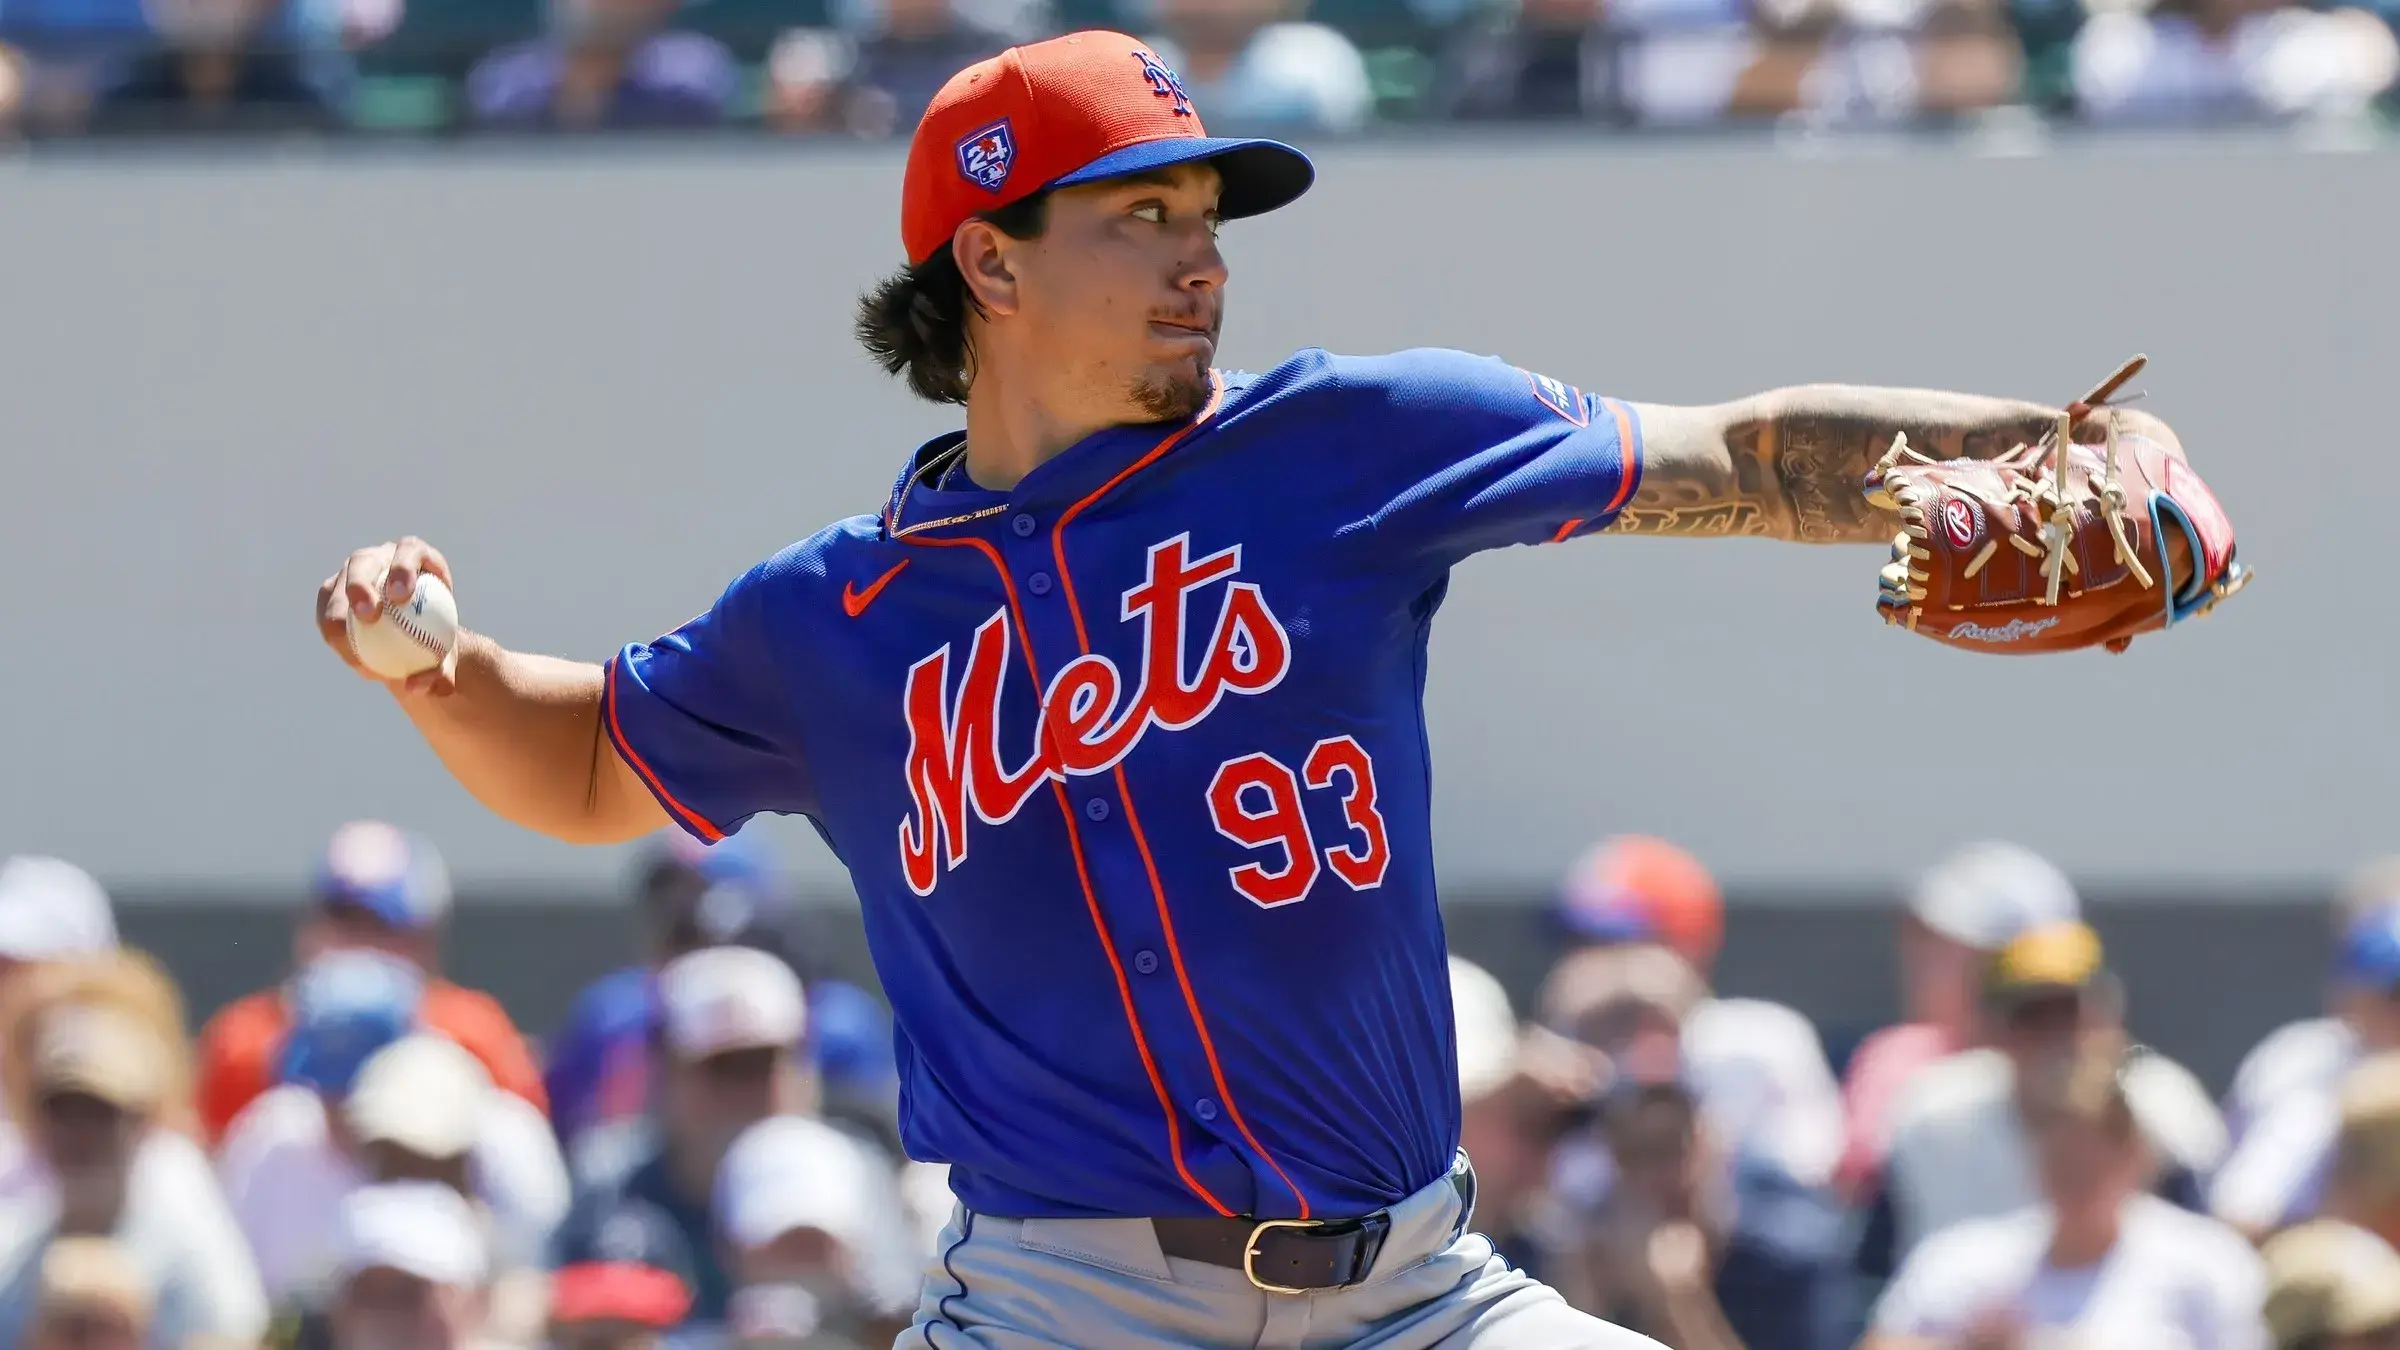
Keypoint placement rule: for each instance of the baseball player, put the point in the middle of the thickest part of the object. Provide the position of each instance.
(1113, 710)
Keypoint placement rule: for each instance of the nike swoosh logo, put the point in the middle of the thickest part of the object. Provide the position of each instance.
(855, 601)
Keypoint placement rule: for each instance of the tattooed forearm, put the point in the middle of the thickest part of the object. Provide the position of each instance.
(1789, 464)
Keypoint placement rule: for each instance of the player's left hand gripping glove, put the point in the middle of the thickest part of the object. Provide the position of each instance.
(2053, 546)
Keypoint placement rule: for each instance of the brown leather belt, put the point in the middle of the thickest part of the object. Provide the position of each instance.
(1295, 1256)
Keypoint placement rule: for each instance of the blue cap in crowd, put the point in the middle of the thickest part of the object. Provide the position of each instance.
(2370, 954)
(724, 892)
(346, 1005)
(853, 1038)
(391, 874)
(737, 858)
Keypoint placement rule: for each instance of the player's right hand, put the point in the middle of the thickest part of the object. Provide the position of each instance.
(360, 586)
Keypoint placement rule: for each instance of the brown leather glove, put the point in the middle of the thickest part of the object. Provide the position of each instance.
(1994, 557)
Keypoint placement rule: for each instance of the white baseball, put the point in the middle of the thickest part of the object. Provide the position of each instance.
(413, 635)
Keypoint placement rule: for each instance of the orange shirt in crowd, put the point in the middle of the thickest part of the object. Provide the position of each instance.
(240, 1045)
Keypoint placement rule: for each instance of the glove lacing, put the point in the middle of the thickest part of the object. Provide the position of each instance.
(2043, 486)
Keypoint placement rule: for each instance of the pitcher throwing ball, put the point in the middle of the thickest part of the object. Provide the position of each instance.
(1112, 709)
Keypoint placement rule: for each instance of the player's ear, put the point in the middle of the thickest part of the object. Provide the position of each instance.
(982, 253)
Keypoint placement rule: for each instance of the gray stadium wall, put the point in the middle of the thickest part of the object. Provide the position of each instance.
(607, 379)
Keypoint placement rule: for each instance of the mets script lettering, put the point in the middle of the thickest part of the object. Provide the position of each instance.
(1089, 720)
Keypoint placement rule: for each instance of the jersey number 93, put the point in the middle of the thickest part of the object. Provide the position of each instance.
(1255, 802)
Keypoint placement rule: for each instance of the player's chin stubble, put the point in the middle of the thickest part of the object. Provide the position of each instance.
(1173, 393)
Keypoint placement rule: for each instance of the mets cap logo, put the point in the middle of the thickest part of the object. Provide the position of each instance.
(1164, 82)
(986, 155)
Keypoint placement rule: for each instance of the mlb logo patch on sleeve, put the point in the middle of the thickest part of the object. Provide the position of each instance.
(1564, 399)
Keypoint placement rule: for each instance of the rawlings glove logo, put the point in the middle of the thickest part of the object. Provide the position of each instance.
(2012, 631)
(1961, 521)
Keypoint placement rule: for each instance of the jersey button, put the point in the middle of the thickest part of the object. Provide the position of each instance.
(1023, 525)
(1205, 1108)
(1096, 809)
(1146, 961)
(1039, 582)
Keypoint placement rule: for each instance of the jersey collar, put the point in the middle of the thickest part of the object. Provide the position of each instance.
(916, 503)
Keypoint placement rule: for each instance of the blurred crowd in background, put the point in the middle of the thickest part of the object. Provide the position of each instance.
(867, 68)
(707, 1153)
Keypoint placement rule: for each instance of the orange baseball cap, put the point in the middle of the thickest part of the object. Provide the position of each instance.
(1635, 888)
(1074, 109)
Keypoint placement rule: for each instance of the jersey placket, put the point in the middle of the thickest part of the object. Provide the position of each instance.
(1131, 889)
(990, 537)
(1113, 869)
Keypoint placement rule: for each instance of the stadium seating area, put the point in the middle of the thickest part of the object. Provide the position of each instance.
(865, 67)
(369, 1155)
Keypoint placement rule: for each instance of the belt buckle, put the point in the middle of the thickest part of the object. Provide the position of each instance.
(1250, 1253)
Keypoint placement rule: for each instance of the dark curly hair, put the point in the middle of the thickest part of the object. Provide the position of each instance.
(914, 322)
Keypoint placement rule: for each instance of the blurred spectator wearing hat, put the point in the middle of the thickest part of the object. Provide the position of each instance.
(2332, 1287)
(220, 66)
(1259, 64)
(731, 1031)
(691, 896)
(2286, 1094)
(1520, 1090)
(688, 895)
(1759, 1067)
(378, 889)
(611, 64)
(1960, 1148)
(2182, 62)
(1670, 1228)
(1616, 1000)
(368, 1099)
(1658, 62)
(2096, 1261)
(2362, 1181)
(1698, 62)
(817, 1238)
(411, 1266)
(876, 75)
(50, 910)
(1542, 60)
(2362, 995)
(624, 1280)
(95, 1071)
(91, 1297)
(1881, 62)
(1962, 912)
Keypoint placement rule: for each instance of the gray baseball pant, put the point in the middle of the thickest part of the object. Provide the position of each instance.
(1103, 1284)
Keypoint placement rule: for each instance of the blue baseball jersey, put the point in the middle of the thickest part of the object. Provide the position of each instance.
(1129, 767)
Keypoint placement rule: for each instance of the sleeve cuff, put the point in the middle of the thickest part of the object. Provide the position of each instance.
(1629, 472)
(1629, 454)
(691, 821)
